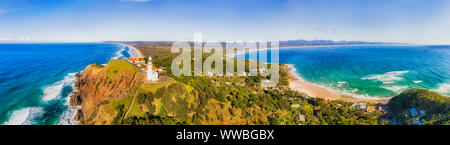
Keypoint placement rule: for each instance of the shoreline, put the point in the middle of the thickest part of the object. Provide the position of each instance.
(134, 53)
(297, 83)
(73, 110)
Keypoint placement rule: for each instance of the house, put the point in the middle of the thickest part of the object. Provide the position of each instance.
(370, 108)
(413, 112)
(300, 117)
(296, 106)
(133, 60)
(338, 106)
(275, 88)
(362, 106)
(136, 60)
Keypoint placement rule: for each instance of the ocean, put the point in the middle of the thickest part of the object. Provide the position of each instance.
(371, 71)
(36, 79)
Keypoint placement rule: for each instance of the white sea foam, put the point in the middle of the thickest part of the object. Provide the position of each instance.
(351, 93)
(443, 88)
(24, 116)
(388, 77)
(388, 82)
(418, 81)
(54, 90)
(119, 52)
(68, 117)
(132, 51)
(396, 88)
(341, 83)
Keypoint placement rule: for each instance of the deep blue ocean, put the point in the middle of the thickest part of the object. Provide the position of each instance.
(369, 71)
(36, 79)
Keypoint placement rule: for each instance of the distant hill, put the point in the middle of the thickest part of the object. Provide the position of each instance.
(418, 106)
(323, 42)
(288, 43)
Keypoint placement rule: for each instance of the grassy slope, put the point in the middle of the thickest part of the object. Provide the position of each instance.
(109, 109)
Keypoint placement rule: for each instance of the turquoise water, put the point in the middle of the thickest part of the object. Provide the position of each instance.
(36, 79)
(372, 70)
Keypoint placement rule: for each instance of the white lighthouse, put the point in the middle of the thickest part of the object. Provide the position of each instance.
(151, 75)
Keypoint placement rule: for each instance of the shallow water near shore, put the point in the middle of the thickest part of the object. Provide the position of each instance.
(371, 70)
(36, 79)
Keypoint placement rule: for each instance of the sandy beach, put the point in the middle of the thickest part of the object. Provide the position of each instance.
(299, 84)
(134, 53)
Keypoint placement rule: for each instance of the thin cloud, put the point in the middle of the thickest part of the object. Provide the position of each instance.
(327, 30)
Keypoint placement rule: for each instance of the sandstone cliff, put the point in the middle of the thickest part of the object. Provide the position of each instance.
(98, 85)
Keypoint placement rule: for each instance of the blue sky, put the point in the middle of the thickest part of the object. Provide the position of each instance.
(408, 21)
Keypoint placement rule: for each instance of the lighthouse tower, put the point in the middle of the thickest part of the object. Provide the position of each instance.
(151, 75)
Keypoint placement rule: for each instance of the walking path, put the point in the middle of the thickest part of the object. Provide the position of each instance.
(132, 101)
(136, 53)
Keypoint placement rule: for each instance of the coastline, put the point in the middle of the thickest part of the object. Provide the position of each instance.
(134, 52)
(70, 115)
(297, 83)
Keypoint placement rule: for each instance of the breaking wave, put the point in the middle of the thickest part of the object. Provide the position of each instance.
(418, 81)
(388, 77)
(396, 88)
(55, 90)
(25, 116)
(443, 88)
(118, 53)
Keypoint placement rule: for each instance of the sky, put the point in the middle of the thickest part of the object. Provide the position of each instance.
(404, 21)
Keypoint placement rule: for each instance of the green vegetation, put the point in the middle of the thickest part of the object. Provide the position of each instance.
(117, 67)
(435, 106)
(241, 100)
(172, 101)
(112, 110)
(232, 100)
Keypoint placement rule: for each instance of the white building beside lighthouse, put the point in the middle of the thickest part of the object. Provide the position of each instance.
(151, 74)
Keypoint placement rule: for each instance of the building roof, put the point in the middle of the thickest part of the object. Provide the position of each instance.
(133, 59)
(153, 68)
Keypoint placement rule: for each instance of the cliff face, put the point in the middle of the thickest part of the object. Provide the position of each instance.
(99, 84)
